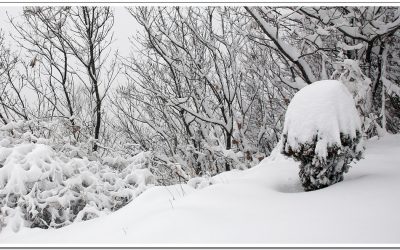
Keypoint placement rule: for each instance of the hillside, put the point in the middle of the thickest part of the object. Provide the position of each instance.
(262, 205)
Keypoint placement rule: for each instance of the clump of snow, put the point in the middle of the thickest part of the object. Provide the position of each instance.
(201, 182)
(391, 88)
(324, 109)
(345, 46)
(350, 74)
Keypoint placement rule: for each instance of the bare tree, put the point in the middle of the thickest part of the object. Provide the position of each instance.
(89, 40)
(42, 36)
(316, 43)
(12, 101)
(190, 87)
(71, 69)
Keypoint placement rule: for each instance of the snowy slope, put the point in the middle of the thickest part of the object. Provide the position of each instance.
(262, 205)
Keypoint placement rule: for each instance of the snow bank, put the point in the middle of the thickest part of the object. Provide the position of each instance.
(324, 110)
(262, 205)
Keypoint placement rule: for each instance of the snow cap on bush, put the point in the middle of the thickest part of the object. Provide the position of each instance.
(323, 109)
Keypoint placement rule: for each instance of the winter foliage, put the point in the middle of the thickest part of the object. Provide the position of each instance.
(84, 129)
(42, 186)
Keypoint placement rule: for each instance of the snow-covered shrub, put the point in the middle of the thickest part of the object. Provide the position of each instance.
(201, 182)
(322, 130)
(351, 75)
(50, 188)
(54, 132)
(189, 162)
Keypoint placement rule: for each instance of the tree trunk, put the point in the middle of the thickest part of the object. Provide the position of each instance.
(228, 147)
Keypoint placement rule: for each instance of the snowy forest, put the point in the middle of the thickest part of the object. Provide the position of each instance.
(294, 99)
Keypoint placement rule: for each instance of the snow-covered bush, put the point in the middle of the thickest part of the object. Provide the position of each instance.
(322, 130)
(201, 182)
(350, 74)
(43, 187)
(190, 162)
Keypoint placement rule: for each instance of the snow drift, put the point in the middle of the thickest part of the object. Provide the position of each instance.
(262, 205)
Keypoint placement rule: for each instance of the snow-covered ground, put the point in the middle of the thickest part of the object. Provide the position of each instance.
(262, 205)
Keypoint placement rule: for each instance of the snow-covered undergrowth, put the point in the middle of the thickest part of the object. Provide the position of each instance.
(262, 205)
(43, 187)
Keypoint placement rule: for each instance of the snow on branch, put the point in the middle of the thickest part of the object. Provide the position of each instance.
(286, 49)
